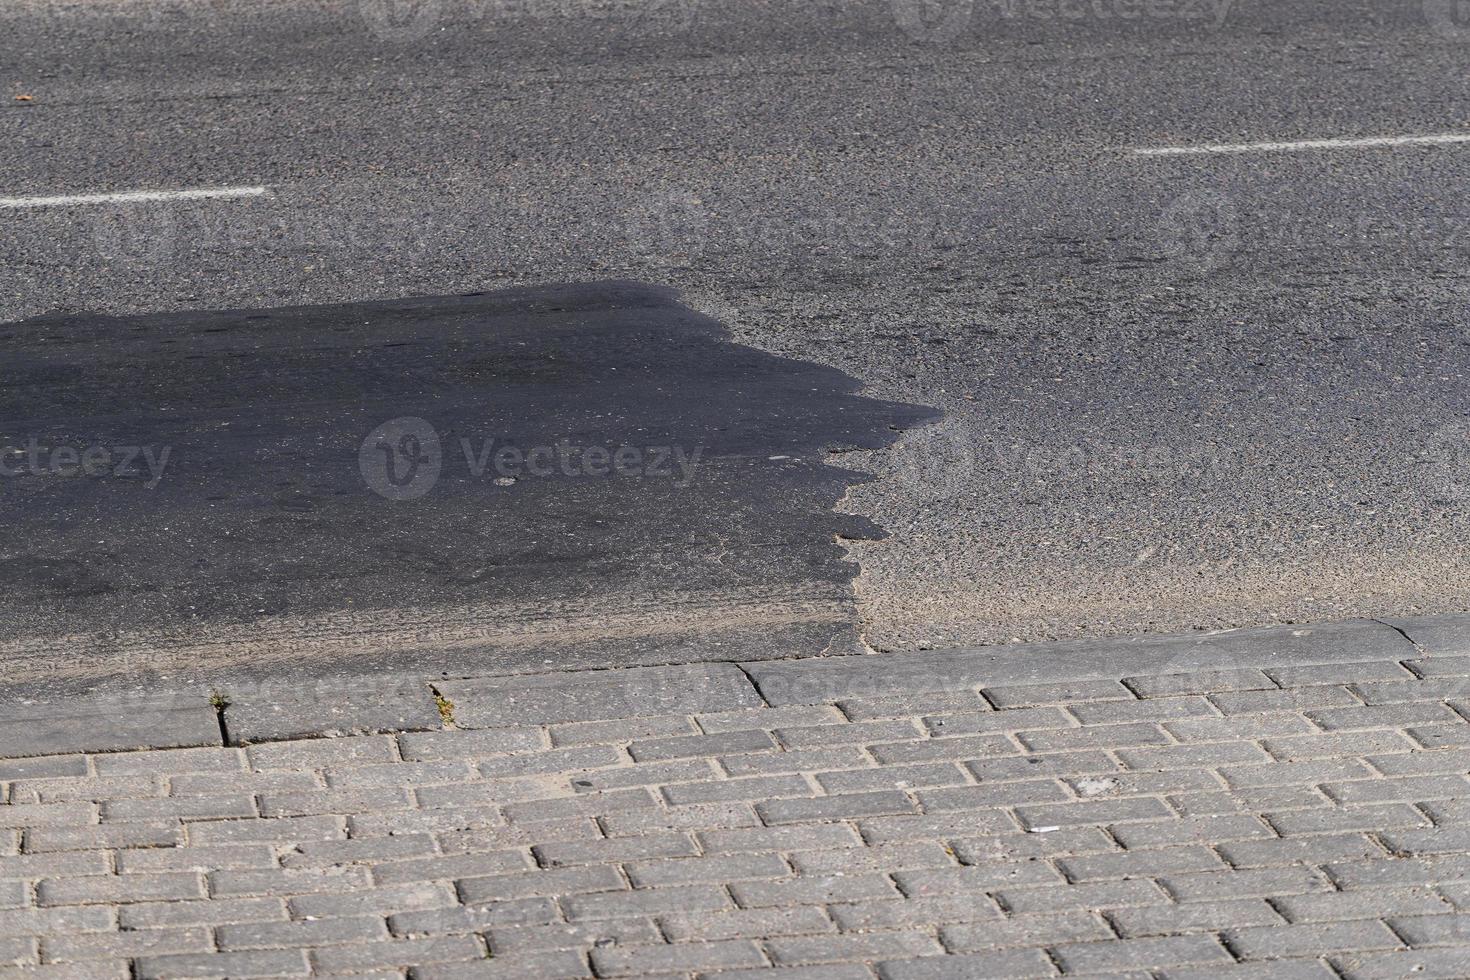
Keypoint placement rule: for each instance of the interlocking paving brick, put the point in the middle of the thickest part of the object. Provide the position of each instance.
(963, 936)
(1200, 682)
(1017, 831)
(1017, 963)
(700, 957)
(1141, 954)
(1315, 939)
(1194, 917)
(800, 920)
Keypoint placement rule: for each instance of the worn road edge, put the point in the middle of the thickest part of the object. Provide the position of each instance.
(335, 707)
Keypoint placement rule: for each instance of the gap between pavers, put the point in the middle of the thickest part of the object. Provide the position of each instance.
(363, 707)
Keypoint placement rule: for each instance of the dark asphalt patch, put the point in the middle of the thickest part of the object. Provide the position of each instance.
(569, 476)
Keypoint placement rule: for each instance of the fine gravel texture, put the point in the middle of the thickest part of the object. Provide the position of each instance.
(1184, 392)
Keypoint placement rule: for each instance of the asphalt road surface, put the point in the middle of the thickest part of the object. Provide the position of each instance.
(1182, 390)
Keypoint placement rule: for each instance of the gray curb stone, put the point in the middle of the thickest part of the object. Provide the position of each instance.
(108, 725)
(332, 708)
(597, 695)
(815, 681)
(351, 710)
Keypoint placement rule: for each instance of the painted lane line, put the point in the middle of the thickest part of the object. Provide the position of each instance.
(1433, 139)
(130, 197)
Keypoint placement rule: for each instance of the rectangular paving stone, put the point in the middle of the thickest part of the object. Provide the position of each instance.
(1406, 963)
(1316, 939)
(849, 733)
(1141, 864)
(1153, 709)
(922, 911)
(1293, 699)
(1166, 920)
(1017, 963)
(299, 935)
(756, 788)
(1199, 682)
(1092, 895)
(1432, 930)
(384, 901)
(802, 760)
(797, 950)
(1042, 766)
(127, 945)
(798, 920)
(461, 919)
(936, 826)
(144, 834)
(212, 912)
(688, 746)
(1383, 716)
(1024, 930)
(615, 851)
(40, 922)
(938, 749)
(1341, 674)
(1335, 906)
(1316, 849)
(1093, 737)
(119, 890)
(612, 961)
(792, 716)
(1140, 954)
(545, 699)
(1092, 812)
(990, 721)
(320, 753)
(699, 816)
(979, 878)
(886, 777)
(791, 838)
(1292, 748)
(455, 745)
(1259, 882)
(1207, 830)
(256, 963)
(850, 806)
(396, 953)
(884, 859)
(622, 730)
(700, 870)
(819, 890)
(504, 939)
(1394, 816)
(652, 901)
(991, 794)
(560, 881)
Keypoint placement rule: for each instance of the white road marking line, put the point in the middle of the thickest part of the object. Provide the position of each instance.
(1434, 139)
(130, 197)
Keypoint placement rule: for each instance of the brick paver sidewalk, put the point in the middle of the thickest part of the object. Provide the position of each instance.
(1285, 821)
